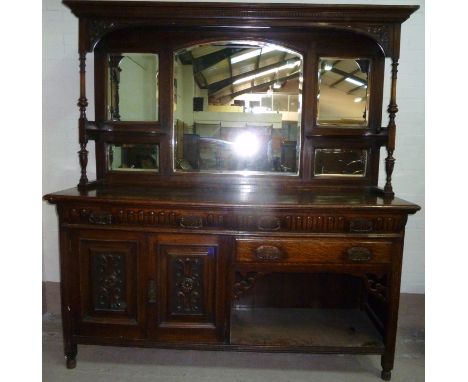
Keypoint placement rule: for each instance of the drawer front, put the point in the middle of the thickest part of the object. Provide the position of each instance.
(319, 251)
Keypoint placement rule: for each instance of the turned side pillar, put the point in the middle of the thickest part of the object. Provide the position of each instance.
(83, 139)
(392, 110)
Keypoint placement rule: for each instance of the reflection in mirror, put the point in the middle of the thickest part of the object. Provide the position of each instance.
(132, 87)
(343, 92)
(237, 108)
(344, 162)
(133, 157)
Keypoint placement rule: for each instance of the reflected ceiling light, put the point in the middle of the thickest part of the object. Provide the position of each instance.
(276, 85)
(246, 145)
(261, 74)
(328, 67)
(355, 82)
(253, 53)
(358, 99)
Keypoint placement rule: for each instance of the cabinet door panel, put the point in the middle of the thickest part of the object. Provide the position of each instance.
(111, 268)
(188, 276)
(190, 273)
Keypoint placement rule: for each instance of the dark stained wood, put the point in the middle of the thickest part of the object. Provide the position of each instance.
(304, 327)
(222, 261)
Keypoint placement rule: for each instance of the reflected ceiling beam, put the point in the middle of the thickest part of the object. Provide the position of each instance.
(344, 78)
(348, 75)
(257, 65)
(230, 75)
(258, 87)
(217, 86)
(208, 60)
(355, 89)
(322, 72)
(199, 78)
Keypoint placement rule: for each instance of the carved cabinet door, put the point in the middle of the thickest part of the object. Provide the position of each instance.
(188, 303)
(109, 283)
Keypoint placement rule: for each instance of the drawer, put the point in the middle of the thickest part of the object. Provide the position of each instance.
(319, 251)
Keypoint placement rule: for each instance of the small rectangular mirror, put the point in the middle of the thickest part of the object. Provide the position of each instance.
(340, 162)
(132, 91)
(343, 92)
(133, 157)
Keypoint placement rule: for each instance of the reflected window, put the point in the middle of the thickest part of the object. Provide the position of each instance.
(343, 92)
(133, 157)
(340, 162)
(237, 108)
(132, 87)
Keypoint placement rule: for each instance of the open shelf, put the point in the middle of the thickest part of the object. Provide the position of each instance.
(325, 328)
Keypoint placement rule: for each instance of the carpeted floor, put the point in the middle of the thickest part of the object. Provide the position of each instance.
(114, 364)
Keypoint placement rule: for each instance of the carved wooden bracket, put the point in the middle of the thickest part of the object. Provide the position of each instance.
(246, 281)
(376, 286)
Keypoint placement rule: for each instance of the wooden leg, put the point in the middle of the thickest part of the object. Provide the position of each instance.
(393, 302)
(70, 355)
(387, 366)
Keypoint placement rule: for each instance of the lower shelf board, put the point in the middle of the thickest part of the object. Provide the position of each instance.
(324, 328)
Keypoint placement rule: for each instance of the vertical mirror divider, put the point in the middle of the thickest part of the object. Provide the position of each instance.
(392, 110)
(83, 139)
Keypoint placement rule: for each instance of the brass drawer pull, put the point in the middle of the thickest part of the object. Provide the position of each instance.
(268, 223)
(269, 253)
(100, 218)
(360, 225)
(192, 222)
(359, 254)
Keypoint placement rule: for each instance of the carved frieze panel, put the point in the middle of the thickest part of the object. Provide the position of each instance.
(237, 221)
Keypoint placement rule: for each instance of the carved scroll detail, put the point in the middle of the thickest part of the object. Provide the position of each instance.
(375, 285)
(97, 29)
(246, 281)
(382, 34)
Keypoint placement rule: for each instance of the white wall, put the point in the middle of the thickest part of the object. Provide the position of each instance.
(60, 133)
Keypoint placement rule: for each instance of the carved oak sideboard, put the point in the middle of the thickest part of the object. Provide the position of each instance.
(236, 205)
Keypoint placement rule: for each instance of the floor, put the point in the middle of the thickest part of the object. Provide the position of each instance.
(105, 363)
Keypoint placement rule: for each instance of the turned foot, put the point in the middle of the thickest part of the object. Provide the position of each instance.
(386, 375)
(71, 362)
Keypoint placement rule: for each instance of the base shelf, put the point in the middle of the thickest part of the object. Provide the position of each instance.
(324, 328)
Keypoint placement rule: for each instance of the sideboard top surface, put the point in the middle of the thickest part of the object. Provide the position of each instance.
(238, 197)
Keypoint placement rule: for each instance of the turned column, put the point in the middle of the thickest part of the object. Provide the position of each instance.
(83, 140)
(114, 68)
(392, 110)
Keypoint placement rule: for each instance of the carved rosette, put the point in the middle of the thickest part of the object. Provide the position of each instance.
(188, 285)
(109, 281)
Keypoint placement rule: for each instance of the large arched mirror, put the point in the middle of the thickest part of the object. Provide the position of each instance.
(237, 108)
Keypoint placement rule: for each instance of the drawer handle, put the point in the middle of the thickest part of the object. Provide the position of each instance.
(360, 225)
(102, 218)
(192, 222)
(269, 223)
(269, 253)
(359, 254)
